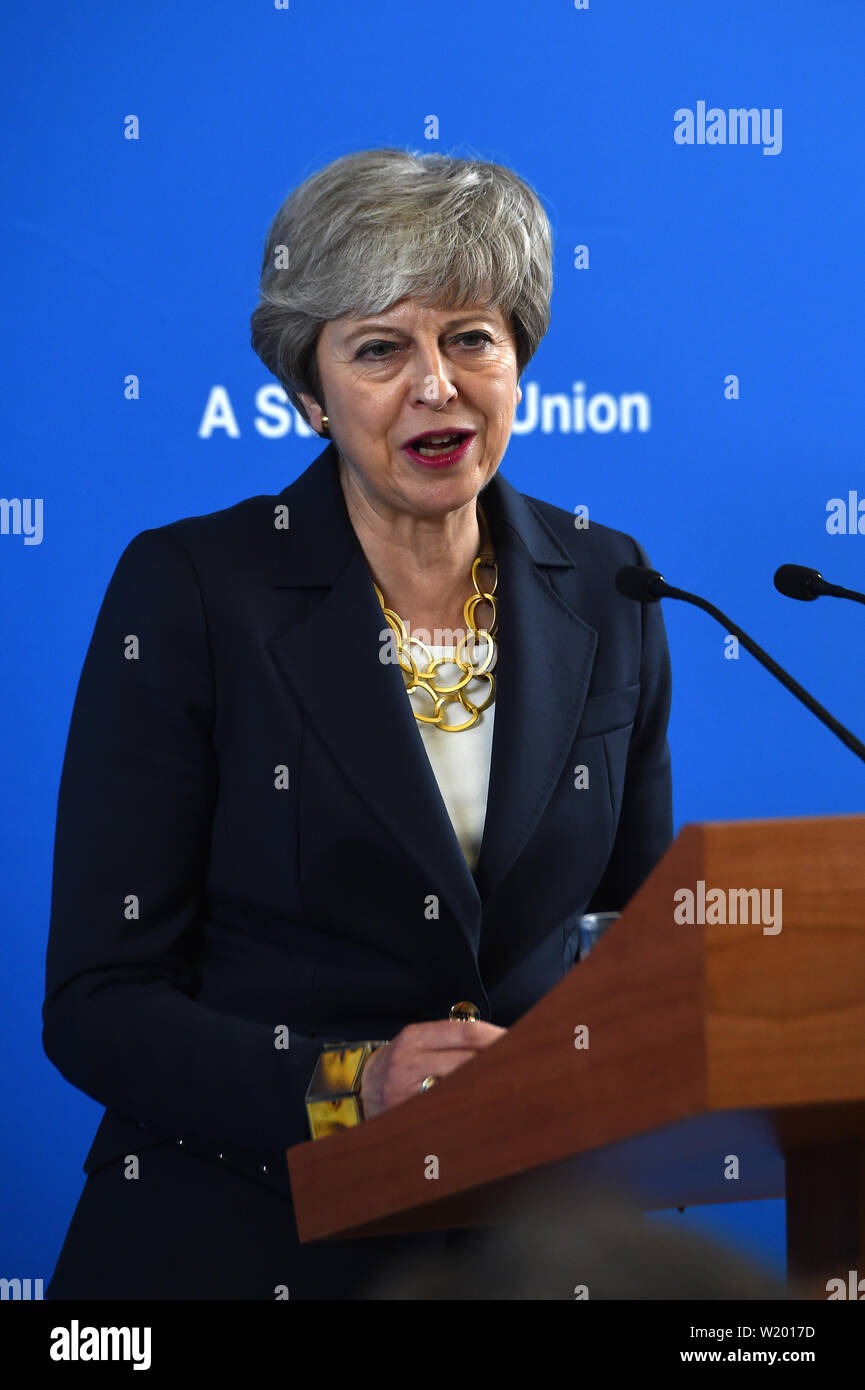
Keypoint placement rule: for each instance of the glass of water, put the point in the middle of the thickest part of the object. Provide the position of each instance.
(592, 927)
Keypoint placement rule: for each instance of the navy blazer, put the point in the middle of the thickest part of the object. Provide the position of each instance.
(250, 835)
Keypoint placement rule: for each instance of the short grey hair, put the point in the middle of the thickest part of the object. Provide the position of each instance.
(378, 226)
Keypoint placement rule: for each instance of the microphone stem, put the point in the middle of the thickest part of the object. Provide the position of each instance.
(764, 659)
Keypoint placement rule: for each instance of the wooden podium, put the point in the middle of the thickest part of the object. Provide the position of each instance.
(724, 1062)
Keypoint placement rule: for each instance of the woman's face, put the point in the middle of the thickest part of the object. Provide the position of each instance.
(407, 371)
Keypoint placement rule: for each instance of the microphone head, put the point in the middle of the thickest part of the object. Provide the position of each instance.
(797, 581)
(640, 583)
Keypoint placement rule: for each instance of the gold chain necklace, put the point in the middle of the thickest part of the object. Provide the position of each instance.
(426, 680)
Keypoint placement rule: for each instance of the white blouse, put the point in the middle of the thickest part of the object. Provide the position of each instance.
(460, 761)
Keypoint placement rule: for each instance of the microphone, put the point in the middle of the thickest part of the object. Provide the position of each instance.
(646, 585)
(797, 581)
(643, 584)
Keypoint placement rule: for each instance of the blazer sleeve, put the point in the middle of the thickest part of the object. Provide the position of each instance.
(645, 829)
(134, 813)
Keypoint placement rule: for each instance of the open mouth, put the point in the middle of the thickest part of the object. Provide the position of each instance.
(432, 445)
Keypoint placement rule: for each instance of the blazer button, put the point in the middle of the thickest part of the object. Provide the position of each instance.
(465, 1012)
(180, 1141)
(221, 1156)
(264, 1168)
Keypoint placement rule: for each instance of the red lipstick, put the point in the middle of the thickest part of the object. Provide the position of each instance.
(442, 448)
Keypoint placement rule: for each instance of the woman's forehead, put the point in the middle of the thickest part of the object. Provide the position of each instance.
(409, 310)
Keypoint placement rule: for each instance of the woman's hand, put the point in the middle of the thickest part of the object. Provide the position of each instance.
(394, 1073)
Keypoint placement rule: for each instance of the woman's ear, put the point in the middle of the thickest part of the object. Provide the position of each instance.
(314, 412)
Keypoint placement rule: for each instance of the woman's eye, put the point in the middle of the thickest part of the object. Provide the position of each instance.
(366, 351)
(371, 349)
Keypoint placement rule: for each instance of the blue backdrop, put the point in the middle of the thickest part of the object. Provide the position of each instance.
(700, 386)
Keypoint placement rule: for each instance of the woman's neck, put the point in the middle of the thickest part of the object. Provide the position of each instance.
(421, 564)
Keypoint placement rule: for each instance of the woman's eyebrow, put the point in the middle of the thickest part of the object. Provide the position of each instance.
(392, 327)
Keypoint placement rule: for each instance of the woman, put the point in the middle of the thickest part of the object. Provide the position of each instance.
(284, 822)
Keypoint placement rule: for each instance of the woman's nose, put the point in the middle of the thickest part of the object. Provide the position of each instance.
(433, 384)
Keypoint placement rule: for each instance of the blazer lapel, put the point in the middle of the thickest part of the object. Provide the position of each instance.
(357, 703)
(546, 652)
(545, 657)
